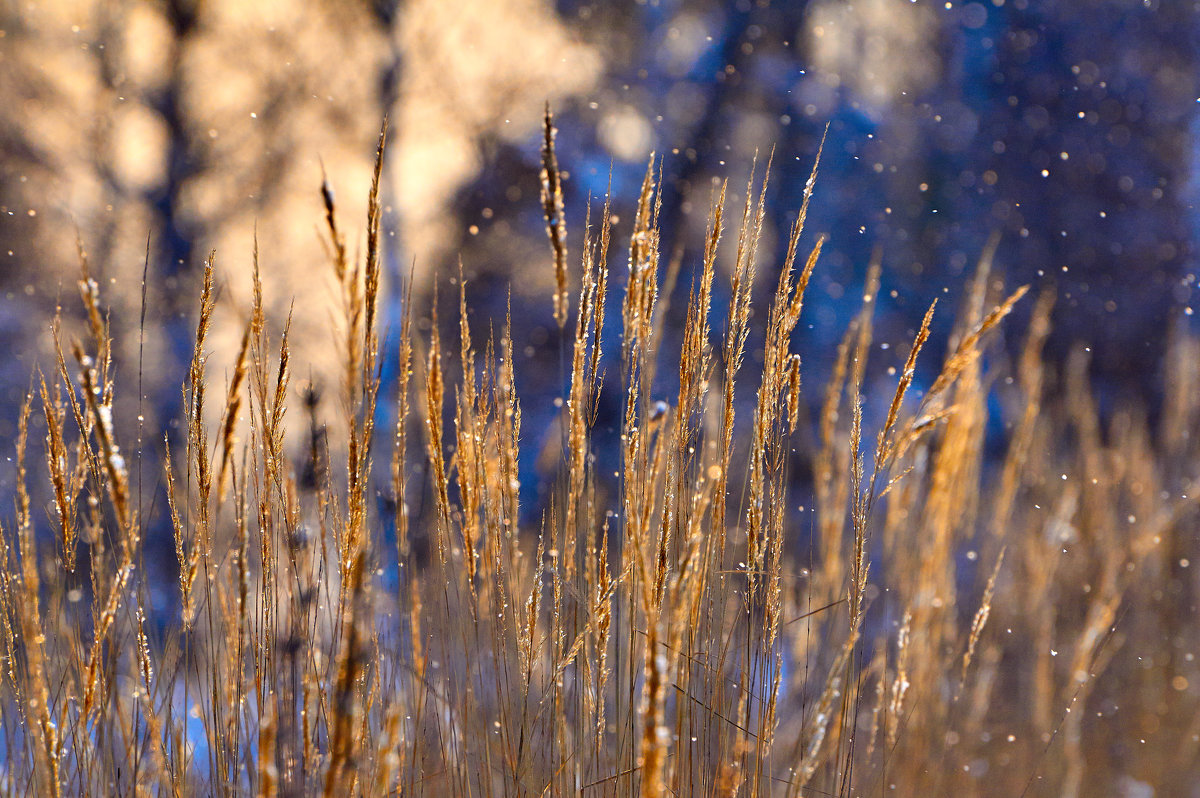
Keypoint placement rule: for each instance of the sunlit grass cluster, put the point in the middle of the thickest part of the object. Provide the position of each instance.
(363, 611)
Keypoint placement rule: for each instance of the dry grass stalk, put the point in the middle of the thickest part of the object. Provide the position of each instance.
(981, 616)
(343, 765)
(434, 431)
(556, 225)
(47, 754)
(400, 442)
(57, 465)
(233, 404)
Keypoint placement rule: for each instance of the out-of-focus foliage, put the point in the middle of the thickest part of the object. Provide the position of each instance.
(201, 123)
(1068, 129)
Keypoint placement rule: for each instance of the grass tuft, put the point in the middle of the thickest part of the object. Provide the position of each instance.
(695, 624)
